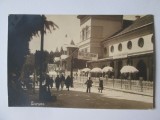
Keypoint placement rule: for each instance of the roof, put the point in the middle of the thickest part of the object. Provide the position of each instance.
(146, 20)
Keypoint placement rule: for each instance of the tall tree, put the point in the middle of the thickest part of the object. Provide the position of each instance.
(21, 28)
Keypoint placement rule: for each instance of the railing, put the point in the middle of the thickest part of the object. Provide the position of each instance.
(141, 86)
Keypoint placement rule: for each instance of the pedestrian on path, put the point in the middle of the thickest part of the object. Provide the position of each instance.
(51, 82)
(47, 82)
(62, 80)
(100, 88)
(68, 82)
(57, 81)
(89, 85)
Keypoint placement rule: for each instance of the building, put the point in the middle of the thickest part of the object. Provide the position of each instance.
(94, 28)
(119, 42)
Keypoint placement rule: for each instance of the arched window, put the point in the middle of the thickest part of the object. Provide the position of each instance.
(83, 34)
(87, 32)
(112, 49)
(105, 50)
(141, 42)
(152, 39)
(120, 47)
(129, 45)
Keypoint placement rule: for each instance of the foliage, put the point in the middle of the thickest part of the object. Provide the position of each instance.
(21, 28)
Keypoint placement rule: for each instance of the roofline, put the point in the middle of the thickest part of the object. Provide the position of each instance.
(128, 31)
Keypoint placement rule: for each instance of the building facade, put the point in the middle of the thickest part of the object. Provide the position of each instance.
(133, 45)
(94, 29)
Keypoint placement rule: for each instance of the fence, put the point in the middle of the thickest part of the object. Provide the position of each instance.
(141, 86)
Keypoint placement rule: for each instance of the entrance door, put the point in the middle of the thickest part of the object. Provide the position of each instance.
(111, 73)
(119, 68)
(141, 66)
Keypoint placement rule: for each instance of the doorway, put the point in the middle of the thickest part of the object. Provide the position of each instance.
(141, 66)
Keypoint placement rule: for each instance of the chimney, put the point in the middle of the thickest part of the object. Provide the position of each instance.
(137, 17)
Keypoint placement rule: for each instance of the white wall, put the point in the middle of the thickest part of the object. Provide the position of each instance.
(148, 46)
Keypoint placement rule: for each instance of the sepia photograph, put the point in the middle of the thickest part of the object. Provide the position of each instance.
(81, 61)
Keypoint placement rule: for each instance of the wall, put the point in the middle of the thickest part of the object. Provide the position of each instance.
(148, 46)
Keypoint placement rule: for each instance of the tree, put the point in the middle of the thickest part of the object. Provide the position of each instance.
(20, 31)
(51, 57)
(29, 65)
(21, 28)
(62, 51)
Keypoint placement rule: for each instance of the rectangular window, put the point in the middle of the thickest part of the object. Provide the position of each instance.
(85, 50)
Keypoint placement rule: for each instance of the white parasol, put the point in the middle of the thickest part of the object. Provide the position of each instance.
(128, 69)
(96, 70)
(86, 70)
(107, 69)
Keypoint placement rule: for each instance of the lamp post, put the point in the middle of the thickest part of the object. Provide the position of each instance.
(71, 71)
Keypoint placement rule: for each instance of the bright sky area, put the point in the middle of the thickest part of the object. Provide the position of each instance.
(68, 25)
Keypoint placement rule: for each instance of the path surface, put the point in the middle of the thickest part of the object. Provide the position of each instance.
(109, 99)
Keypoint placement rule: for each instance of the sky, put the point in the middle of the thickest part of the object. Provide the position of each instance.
(69, 25)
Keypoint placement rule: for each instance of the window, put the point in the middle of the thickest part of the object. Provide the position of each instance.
(141, 42)
(87, 32)
(152, 39)
(120, 47)
(112, 48)
(105, 50)
(83, 34)
(129, 45)
(85, 50)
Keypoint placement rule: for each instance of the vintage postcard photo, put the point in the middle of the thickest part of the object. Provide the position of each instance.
(81, 61)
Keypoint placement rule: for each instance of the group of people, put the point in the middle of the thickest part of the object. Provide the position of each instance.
(89, 83)
(61, 81)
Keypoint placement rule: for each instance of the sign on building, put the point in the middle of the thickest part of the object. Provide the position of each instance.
(87, 56)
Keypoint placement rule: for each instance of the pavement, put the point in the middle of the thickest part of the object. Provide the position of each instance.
(112, 93)
(77, 97)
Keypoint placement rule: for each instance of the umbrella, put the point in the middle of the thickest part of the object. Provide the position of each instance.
(128, 69)
(86, 70)
(107, 69)
(96, 70)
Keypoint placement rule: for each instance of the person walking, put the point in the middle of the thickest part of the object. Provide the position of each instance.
(51, 82)
(100, 88)
(57, 81)
(47, 82)
(68, 82)
(62, 80)
(89, 85)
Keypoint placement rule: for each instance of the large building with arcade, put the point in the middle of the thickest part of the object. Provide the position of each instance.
(119, 42)
(114, 41)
